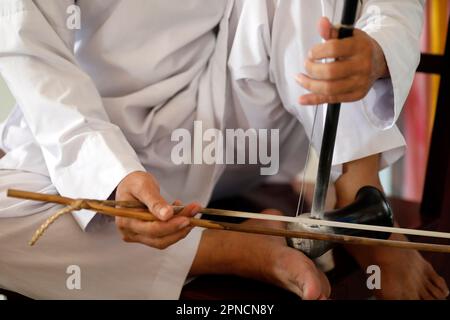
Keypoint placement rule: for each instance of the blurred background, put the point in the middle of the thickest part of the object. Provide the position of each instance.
(406, 178)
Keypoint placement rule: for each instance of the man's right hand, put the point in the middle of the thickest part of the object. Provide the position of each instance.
(143, 187)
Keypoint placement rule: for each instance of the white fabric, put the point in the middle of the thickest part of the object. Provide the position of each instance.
(98, 103)
(144, 68)
(67, 123)
(271, 44)
(110, 268)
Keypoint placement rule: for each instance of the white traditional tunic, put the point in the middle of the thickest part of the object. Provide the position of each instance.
(98, 103)
(264, 61)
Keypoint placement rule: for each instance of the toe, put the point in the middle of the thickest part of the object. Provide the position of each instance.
(326, 287)
(437, 282)
(312, 288)
(434, 291)
(442, 285)
(312, 283)
(426, 293)
(295, 272)
(438, 287)
(315, 285)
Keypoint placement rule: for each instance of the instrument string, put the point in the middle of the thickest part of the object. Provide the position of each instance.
(303, 185)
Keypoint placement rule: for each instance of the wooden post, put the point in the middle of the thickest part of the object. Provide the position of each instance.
(437, 181)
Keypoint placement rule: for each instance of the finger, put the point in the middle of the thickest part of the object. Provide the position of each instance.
(334, 70)
(326, 29)
(157, 229)
(165, 242)
(123, 224)
(316, 99)
(329, 87)
(333, 49)
(126, 234)
(190, 210)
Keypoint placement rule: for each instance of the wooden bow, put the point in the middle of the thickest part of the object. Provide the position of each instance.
(136, 210)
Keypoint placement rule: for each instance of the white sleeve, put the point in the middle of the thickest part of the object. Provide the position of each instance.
(86, 155)
(254, 97)
(396, 26)
(357, 136)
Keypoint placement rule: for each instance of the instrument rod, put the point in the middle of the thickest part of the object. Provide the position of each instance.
(331, 125)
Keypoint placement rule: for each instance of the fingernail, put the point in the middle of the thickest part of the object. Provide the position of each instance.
(310, 55)
(184, 224)
(164, 212)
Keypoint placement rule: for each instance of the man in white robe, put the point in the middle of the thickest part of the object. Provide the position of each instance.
(96, 110)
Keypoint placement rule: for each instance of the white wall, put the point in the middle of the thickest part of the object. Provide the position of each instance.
(6, 100)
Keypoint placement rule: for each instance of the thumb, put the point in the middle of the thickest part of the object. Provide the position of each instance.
(158, 206)
(155, 203)
(143, 187)
(326, 29)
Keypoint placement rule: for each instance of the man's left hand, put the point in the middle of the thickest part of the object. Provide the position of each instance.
(359, 62)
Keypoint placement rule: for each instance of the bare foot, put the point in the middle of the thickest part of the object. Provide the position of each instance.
(295, 272)
(291, 269)
(260, 257)
(405, 274)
